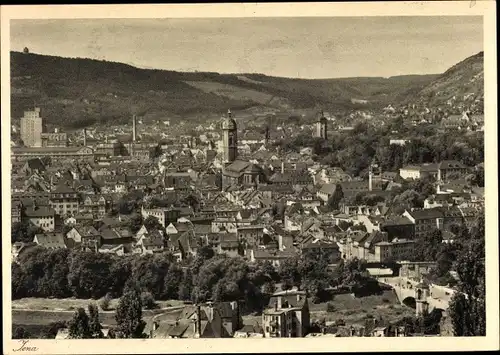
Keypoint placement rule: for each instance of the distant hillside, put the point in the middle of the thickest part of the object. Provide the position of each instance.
(462, 84)
(76, 92)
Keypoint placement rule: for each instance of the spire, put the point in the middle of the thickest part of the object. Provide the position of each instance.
(229, 113)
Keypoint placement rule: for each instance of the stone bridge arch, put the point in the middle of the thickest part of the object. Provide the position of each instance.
(410, 301)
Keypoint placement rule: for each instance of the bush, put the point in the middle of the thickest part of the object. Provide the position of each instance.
(385, 300)
(148, 300)
(19, 332)
(330, 307)
(105, 302)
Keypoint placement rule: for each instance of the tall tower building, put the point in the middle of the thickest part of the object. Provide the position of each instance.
(229, 138)
(321, 127)
(31, 128)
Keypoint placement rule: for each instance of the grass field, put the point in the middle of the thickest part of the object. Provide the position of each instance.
(71, 304)
(355, 310)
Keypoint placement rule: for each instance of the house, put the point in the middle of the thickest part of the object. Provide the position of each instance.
(242, 173)
(43, 217)
(33, 166)
(450, 169)
(96, 205)
(50, 240)
(275, 257)
(19, 247)
(398, 227)
(150, 243)
(178, 227)
(115, 235)
(327, 191)
(250, 331)
(426, 220)
(87, 235)
(420, 171)
(165, 215)
(251, 235)
(287, 315)
(16, 209)
(206, 320)
(318, 249)
(228, 244)
(64, 200)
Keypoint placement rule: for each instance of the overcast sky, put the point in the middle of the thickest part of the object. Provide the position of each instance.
(292, 47)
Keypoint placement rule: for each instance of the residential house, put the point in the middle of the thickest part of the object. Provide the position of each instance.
(86, 236)
(165, 215)
(318, 249)
(43, 217)
(207, 320)
(398, 227)
(150, 243)
(418, 172)
(64, 200)
(327, 191)
(287, 315)
(50, 240)
(251, 235)
(96, 205)
(451, 169)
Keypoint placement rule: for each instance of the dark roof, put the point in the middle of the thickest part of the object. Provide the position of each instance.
(426, 213)
(451, 164)
(39, 212)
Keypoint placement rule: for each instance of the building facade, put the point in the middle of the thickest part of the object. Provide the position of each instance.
(31, 128)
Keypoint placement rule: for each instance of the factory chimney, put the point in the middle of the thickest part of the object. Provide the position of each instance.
(85, 137)
(133, 129)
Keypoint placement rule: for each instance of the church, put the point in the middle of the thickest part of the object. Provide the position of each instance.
(236, 172)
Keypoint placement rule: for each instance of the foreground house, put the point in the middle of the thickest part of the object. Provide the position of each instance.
(208, 320)
(287, 315)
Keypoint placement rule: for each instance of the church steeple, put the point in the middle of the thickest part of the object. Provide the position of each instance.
(322, 126)
(229, 138)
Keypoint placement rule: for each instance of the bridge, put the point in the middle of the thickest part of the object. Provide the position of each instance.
(422, 297)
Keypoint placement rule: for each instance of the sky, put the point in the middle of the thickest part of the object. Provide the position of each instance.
(320, 47)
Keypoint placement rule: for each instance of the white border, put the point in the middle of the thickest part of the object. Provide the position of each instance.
(420, 8)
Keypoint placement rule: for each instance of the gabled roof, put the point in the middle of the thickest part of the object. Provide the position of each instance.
(50, 240)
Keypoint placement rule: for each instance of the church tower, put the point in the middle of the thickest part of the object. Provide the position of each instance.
(229, 138)
(321, 127)
(374, 175)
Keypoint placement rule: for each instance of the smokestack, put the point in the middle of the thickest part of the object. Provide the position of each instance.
(134, 130)
(85, 137)
(198, 320)
(282, 167)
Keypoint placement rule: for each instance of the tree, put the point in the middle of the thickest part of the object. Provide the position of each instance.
(135, 222)
(79, 327)
(105, 302)
(129, 315)
(19, 332)
(269, 287)
(94, 323)
(186, 286)
(334, 200)
(173, 280)
(152, 223)
(148, 300)
(468, 307)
